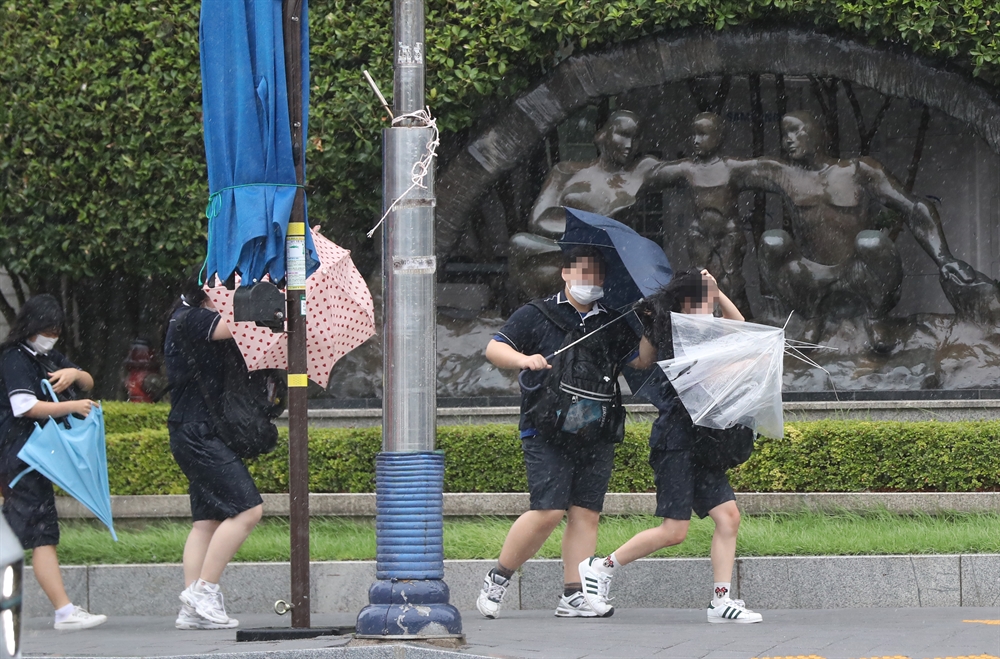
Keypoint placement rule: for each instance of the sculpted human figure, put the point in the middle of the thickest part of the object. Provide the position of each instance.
(835, 260)
(715, 239)
(606, 185)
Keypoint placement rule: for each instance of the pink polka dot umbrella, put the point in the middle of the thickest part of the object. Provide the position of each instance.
(341, 316)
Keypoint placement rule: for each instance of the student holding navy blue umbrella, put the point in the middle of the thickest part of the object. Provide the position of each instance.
(27, 356)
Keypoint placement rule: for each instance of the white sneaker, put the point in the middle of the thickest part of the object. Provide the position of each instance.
(188, 618)
(575, 606)
(80, 619)
(491, 596)
(207, 601)
(731, 610)
(596, 586)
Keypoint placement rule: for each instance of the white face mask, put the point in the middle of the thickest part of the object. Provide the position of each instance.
(585, 294)
(43, 344)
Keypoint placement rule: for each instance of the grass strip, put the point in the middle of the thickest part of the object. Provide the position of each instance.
(800, 534)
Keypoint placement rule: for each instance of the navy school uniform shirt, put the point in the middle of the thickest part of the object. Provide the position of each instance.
(21, 372)
(529, 332)
(187, 404)
(673, 429)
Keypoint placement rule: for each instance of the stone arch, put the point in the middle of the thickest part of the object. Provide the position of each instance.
(662, 59)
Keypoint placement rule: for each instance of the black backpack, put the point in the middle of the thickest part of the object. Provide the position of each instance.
(579, 398)
(243, 416)
(722, 449)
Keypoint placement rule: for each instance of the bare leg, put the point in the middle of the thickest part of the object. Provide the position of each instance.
(527, 535)
(669, 533)
(579, 541)
(45, 564)
(727, 523)
(196, 547)
(226, 541)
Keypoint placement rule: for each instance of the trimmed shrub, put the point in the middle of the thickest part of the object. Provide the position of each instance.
(122, 417)
(826, 456)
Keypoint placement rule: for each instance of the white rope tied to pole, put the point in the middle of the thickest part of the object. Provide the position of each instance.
(420, 168)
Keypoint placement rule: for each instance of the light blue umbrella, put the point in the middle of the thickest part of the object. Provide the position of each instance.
(248, 142)
(73, 458)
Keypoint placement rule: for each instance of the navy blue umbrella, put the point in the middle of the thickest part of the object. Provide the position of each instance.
(248, 142)
(636, 266)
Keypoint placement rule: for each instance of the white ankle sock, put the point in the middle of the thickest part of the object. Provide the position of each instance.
(609, 564)
(65, 612)
(722, 591)
(205, 586)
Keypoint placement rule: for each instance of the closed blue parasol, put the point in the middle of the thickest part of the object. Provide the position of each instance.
(248, 143)
(637, 266)
(73, 458)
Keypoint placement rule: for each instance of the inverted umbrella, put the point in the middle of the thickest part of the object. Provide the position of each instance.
(248, 143)
(636, 266)
(728, 372)
(73, 458)
(340, 311)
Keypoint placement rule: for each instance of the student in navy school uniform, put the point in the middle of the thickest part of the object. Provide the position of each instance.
(225, 502)
(26, 358)
(567, 475)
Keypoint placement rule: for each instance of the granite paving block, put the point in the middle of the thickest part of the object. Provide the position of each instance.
(340, 586)
(465, 579)
(981, 580)
(683, 583)
(849, 582)
(136, 590)
(255, 587)
(541, 584)
(36, 604)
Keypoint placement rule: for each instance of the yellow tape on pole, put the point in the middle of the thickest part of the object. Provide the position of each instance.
(298, 380)
(296, 228)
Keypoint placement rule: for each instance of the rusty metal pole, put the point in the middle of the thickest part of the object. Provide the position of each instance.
(298, 403)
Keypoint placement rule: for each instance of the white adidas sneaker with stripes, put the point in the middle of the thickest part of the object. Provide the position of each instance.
(730, 610)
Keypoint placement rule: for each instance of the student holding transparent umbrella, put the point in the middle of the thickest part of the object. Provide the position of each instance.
(27, 356)
(682, 484)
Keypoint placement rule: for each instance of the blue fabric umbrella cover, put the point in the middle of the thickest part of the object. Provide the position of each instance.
(248, 143)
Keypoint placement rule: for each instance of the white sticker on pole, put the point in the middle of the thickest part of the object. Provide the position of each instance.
(414, 265)
(296, 262)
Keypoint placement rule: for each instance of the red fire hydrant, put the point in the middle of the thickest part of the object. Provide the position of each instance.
(142, 373)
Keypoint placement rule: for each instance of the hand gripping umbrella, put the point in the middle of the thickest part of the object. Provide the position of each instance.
(728, 372)
(73, 458)
(340, 311)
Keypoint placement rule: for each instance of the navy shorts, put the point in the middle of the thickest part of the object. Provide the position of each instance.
(30, 509)
(683, 486)
(219, 484)
(561, 475)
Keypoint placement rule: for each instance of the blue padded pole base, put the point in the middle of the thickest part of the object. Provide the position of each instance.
(410, 598)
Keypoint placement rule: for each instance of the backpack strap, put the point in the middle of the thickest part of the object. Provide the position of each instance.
(555, 320)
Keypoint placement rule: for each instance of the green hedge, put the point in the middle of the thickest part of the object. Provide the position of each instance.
(120, 417)
(827, 456)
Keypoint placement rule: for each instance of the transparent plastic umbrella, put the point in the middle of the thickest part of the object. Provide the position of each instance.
(728, 372)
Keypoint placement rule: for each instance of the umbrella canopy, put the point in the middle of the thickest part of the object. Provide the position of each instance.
(248, 142)
(340, 311)
(73, 458)
(727, 372)
(637, 266)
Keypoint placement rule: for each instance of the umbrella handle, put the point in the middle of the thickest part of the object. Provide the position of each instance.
(521, 379)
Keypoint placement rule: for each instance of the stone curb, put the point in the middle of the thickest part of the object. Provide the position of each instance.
(808, 582)
(386, 651)
(459, 504)
(873, 410)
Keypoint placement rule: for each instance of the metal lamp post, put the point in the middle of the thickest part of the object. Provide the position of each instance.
(410, 598)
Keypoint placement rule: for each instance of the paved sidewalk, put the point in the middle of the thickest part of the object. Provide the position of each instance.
(631, 633)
